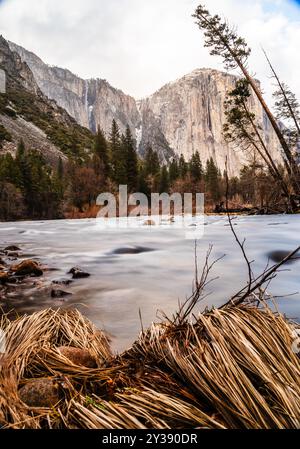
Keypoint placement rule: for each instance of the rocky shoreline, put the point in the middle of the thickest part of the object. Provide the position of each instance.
(19, 274)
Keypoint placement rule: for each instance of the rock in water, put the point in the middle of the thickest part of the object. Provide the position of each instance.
(78, 356)
(12, 254)
(40, 393)
(278, 255)
(132, 250)
(27, 268)
(12, 248)
(62, 281)
(149, 223)
(78, 273)
(57, 293)
(3, 277)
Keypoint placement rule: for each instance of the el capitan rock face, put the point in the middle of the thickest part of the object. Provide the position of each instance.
(183, 116)
(189, 113)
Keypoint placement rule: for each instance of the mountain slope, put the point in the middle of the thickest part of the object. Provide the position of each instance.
(25, 112)
(180, 118)
(91, 102)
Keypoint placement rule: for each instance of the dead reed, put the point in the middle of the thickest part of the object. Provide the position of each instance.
(227, 368)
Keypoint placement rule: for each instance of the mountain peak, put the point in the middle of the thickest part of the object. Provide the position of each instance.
(183, 116)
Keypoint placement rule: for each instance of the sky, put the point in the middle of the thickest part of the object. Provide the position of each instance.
(139, 45)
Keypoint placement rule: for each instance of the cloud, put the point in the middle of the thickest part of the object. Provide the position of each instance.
(138, 45)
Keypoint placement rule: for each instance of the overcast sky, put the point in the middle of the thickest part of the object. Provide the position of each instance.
(139, 45)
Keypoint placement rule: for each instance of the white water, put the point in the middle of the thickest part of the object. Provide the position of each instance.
(122, 283)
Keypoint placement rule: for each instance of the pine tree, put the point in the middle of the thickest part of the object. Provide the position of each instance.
(152, 170)
(8, 169)
(118, 155)
(58, 179)
(173, 171)
(182, 167)
(152, 166)
(101, 152)
(60, 169)
(23, 181)
(196, 168)
(164, 180)
(143, 181)
(131, 161)
(212, 179)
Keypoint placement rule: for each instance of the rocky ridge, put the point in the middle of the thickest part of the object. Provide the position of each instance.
(180, 118)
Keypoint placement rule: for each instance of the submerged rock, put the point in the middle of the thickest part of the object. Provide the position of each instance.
(132, 250)
(12, 248)
(13, 254)
(78, 273)
(278, 255)
(40, 393)
(149, 223)
(57, 293)
(78, 356)
(27, 268)
(62, 281)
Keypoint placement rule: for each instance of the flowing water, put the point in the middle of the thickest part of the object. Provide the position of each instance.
(151, 269)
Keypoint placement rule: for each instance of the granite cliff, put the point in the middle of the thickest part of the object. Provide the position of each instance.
(183, 116)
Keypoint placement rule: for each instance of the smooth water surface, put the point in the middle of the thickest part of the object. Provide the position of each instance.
(150, 268)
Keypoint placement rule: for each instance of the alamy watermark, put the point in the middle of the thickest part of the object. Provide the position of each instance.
(177, 211)
(2, 82)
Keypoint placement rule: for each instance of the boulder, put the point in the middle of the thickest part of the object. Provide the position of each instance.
(78, 356)
(27, 268)
(78, 273)
(40, 393)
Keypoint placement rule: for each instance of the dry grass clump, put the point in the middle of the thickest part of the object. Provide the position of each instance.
(228, 368)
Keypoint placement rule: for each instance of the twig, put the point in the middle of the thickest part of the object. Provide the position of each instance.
(241, 245)
(259, 281)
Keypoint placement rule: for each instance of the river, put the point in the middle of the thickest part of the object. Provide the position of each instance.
(150, 269)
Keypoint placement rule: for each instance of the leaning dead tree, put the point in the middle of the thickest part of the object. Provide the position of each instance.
(225, 42)
(245, 133)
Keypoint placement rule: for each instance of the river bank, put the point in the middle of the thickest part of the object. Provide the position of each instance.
(233, 368)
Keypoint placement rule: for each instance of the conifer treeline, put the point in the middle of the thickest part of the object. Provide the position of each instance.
(30, 188)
